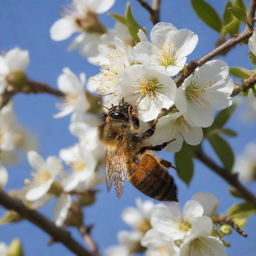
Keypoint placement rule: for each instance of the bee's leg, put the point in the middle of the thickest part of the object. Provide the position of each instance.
(149, 132)
(167, 164)
(156, 147)
(132, 112)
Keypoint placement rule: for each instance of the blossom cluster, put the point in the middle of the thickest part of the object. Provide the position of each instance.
(166, 230)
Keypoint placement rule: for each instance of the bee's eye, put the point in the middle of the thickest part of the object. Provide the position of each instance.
(118, 115)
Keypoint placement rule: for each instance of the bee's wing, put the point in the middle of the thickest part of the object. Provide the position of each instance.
(116, 170)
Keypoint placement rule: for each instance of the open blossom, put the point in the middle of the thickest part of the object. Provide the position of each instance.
(175, 126)
(208, 88)
(73, 88)
(44, 177)
(14, 60)
(168, 50)
(82, 17)
(245, 164)
(170, 221)
(252, 43)
(200, 242)
(148, 89)
(82, 164)
(61, 209)
(139, 217)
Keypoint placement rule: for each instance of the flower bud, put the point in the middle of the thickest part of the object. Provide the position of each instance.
(17, 79)
(10, 217)
(226, 230)
(15, 248)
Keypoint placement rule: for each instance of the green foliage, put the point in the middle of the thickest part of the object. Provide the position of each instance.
(252, 58)
(223, 150)
(132, 24)
(184, 163)
(242, 210)
(207, 14)
(239, 10)
(118, 18)
(240, 72)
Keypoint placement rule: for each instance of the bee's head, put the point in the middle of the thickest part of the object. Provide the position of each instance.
(120, 111)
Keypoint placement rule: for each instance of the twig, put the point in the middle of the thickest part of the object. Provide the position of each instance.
(226, 45)
(153, 10)
(86, 233)
(230, 178)
(245, 85)
(57, 233)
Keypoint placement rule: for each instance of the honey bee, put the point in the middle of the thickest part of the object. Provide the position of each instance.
(128, 156)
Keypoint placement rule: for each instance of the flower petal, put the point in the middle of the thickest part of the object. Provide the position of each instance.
(35, 160)
(208, 201)
(37, 192)
(192, 210)
(17, 59)
(100, 6)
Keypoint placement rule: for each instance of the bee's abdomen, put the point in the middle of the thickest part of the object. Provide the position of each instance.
(153, 180)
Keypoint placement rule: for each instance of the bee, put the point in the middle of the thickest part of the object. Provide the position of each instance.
(129, 156)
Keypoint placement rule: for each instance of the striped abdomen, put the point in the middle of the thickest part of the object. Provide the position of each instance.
(152, 179)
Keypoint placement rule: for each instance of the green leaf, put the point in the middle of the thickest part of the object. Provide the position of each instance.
(223, 116)
(227, 14)
(228, 132)
(223, 151)
(242, 210)
(252, 58)
(184, 163)
(207, 14)
(239, 72)
(239, 10)
(132, 24)
(118, 18)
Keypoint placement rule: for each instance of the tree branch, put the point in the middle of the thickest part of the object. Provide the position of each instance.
(58, 234)
(226, 45)
(245, 85)
(230, 178)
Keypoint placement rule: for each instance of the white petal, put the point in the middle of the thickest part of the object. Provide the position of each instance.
(208, 201)
(217, 100)
(201, 226)
(35, 160)
(142, 35)
(192, 210)
(4, 69)
(3, 176)
(155, 239)
(17, 59)
(100, 6)
(61, 209)
(131, 216)
(159, 32)
(176, 145)
(36, 193)
(62, 29)
(194, 136)
(252, 43)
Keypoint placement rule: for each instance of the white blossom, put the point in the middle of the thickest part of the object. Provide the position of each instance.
(61, 209)
(82, 17)
(245, 164)
(3, 249)
(148, 89)
(75, 97)
(175, 126)
(200, 243)
(13, 60)
(82, 164)
(207, 89)
(3, 176)
(45, 175)
(168, 50)
(252, 43)
(117, 250)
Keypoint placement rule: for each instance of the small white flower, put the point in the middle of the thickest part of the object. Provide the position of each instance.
(252, 43)
(130, 239)
(117, 251)
(209, 202)
(245, 163)
(139, 217)
(73, 88)
(174, 126)
(207, 89)
(61, 209)
(83, 166)
(168, 219)
(14, 60)
(82, 17)
(200, 243)
(3, 176)
(168, 50)
(45, 175)
(148, 89)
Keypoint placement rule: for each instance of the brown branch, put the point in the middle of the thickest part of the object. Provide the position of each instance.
(57, 233)
(226, 45)
(86, 233)
(230, 178)
(245, 85)
(153, 10)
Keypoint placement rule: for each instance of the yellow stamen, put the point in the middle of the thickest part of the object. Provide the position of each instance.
(149, 87)
(167, 56)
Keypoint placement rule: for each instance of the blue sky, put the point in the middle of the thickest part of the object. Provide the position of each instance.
(26, 23)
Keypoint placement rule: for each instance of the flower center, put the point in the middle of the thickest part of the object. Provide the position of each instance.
(149, 87)
(193, 93)
(41, 176)
(71, 98)
(184, 226)
(182, 125)
(167, 56)
(144, 226)
(78, 166)
(163, 250)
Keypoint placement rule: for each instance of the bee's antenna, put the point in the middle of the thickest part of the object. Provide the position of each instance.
(101, 104)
